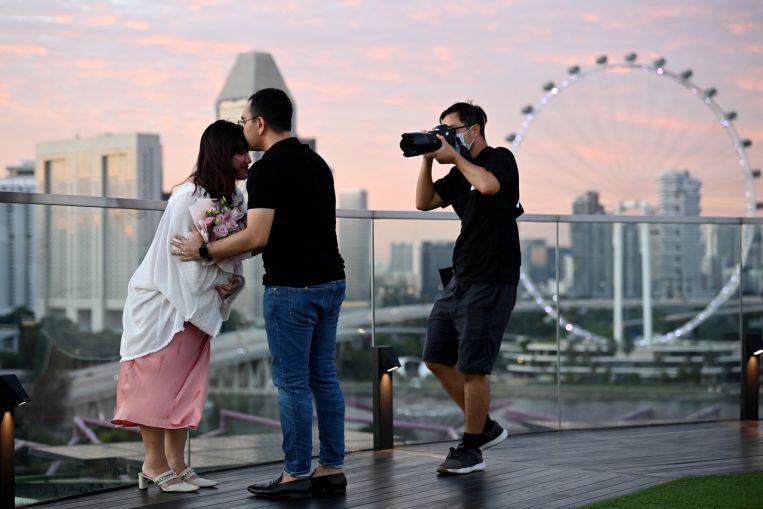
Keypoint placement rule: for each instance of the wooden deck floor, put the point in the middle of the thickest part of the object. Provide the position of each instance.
(544, 470)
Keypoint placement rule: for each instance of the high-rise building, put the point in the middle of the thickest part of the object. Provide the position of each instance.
(536, 254)
(251, 72)
(680, 247)
(401, 258)
(85, 257)
(632, 252)
(17, 240)
(355, 246)
(591, 251)
(434, 256)
(404, 269)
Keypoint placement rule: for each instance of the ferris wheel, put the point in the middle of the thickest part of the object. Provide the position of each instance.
(625, 123)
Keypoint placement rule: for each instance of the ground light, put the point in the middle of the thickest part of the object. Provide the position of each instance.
(384, 362)
(752, 347)
(12, 394)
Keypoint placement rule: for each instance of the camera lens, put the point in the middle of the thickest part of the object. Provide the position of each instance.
(415, 144)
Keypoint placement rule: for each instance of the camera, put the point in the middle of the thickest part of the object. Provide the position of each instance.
(415, 144)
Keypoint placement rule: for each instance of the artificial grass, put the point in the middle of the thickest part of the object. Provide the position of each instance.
(742, 491)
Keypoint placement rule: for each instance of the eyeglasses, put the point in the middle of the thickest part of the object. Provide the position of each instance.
(457, 127)
(242, 122)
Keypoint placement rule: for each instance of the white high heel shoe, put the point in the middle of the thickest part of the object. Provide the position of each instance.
(198, 481)
(161, 480)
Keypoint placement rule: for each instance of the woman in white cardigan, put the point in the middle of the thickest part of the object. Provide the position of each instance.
(172, 311)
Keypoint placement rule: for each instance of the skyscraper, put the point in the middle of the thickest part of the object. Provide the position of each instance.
(17, 240)
(401, 258)
(85, 257)
(434, 256)
(355, 246)
(251, 72)
(591, 251)
(680, 246)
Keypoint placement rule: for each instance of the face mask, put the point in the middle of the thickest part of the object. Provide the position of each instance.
(461, 138)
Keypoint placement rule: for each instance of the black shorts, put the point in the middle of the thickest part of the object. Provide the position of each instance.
(467, 323)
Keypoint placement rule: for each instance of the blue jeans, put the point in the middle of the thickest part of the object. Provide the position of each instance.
(301, 327)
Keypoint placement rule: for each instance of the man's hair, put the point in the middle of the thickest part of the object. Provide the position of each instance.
(274, 106)
(469, 114)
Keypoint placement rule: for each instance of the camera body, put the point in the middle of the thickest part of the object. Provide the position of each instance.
(415, 144)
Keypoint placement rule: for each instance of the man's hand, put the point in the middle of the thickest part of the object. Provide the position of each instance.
(229, 288)
(187, 248)
(446, 154)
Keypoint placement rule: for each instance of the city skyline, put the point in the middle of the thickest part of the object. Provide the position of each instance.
(361, 74)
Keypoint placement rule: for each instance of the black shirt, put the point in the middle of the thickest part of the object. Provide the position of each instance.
(297, 183)
(487, 249)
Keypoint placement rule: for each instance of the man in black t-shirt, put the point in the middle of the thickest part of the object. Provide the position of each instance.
(291, 220)
(467, 322)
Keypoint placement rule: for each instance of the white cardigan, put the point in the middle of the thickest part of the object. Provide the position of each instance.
(165, 292)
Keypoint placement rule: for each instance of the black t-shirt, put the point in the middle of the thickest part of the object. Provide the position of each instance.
(487, 249)
(297, 183)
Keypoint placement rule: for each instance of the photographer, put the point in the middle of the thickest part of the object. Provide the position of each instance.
(467, 322)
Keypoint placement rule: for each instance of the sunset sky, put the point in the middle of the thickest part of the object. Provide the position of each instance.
(364, 72)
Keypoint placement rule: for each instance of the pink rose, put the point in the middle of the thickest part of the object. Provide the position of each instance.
(221, 231)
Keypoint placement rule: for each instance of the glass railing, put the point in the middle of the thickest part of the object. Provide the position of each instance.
(584, 348)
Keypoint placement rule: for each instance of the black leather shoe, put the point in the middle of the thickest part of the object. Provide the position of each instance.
(332, 484)
(277, 489)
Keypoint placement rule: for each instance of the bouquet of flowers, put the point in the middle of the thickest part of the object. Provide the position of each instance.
(221, 220)
(217, 219)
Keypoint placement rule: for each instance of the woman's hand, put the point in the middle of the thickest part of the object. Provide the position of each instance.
(229, 288)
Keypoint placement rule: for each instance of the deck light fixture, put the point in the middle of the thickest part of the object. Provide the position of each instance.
(12, 395)
(384, 362)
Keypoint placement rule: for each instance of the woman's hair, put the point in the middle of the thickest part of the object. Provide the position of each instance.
(214, 171)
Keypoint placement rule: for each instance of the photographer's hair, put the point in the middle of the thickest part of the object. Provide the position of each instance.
(469, 114)
(274, 106)
(214, 169)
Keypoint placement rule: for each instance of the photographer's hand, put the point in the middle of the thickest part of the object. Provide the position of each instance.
(446, 154)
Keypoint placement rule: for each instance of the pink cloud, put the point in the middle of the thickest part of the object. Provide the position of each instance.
(155, 96)
(750, 85)
(22, 49)
(589, 17)
(148, 78)
(672, 123)
(105, 20)
(185, 45)
(199, 5)
(382, 53)
(740, 27)
(676, 11)
(389, 75)
(5, 94)
(352, 3)
(443, 53)
(136, 24)
(89, 63)
(609, 154)
(337, 90)
(560, 59)
(424, 15)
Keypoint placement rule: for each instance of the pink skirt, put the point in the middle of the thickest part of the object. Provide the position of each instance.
(166, 389)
